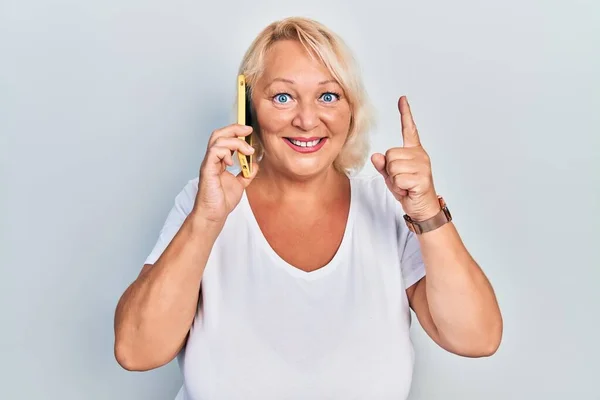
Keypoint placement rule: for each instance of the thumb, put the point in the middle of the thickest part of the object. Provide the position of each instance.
(379, 161)
(246, 181)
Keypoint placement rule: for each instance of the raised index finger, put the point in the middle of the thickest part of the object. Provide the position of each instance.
(410, 135)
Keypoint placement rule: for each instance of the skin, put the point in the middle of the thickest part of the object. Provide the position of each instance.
(297, 97)
(455, 302)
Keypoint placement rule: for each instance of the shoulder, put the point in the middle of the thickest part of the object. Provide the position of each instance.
(368, 181)
(370, 191)
(376, 205)
(184, 200)
(183, 205)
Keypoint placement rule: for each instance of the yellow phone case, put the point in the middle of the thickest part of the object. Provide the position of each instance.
(245, 161)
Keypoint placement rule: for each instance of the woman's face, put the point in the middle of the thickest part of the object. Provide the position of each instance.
(302, 112)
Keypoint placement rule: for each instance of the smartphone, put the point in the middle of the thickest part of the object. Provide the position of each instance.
(244, 117)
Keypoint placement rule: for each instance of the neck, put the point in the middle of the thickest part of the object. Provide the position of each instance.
(285, 189)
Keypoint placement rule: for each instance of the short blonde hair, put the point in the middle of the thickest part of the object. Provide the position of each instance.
(331, 50)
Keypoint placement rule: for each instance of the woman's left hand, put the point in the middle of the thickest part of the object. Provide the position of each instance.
(407, 170)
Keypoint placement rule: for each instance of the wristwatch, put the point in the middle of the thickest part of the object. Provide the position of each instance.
(441, 218)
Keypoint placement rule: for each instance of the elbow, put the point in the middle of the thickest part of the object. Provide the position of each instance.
(494, 336)
(488, 343)
(140, 359)
(488, 348)
(476, 349)
(130, 360)
(126, 359)
(483, 342)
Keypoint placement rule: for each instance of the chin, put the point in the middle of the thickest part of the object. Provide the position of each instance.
(306, 168)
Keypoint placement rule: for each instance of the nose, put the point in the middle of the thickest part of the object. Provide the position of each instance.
(306, 118)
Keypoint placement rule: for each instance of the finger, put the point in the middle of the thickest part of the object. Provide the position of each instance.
(378, 161)
(401, 192)
(404, 183)
(234, 144)
(246, 181)
(216, 160)
(410, 135)
(401, 153)
(231, 131)
(396, 167)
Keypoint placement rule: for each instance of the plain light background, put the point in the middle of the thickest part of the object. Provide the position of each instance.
(106, 107)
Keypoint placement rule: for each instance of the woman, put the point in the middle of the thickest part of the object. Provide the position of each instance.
(297, 282)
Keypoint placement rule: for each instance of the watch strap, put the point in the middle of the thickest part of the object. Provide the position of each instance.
(441, 218)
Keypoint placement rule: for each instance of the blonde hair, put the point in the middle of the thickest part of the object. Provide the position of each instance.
(330, 49)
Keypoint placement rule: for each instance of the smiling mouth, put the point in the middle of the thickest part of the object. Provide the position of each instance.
(304, 143)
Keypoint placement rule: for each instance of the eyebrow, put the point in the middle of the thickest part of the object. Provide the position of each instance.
(292, 82)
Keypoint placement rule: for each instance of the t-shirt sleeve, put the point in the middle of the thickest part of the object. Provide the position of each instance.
(409, 248)
(411, 260)
(407, 243)
(184, 202)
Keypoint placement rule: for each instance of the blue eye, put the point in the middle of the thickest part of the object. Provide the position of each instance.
(282, 98)
(329, 97)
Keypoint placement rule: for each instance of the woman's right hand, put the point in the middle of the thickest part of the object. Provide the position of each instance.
(219, 191)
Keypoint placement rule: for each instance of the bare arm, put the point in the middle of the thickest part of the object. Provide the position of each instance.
(455, 303)
(155, 313)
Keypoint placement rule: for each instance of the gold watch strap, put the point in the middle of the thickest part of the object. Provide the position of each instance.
(441, 218)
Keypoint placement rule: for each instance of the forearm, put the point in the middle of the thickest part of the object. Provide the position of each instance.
(461, 301)
(155, 313)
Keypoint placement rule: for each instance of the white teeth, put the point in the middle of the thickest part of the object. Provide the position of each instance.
(305, 144)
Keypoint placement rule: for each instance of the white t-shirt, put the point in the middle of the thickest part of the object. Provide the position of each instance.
(267, 330)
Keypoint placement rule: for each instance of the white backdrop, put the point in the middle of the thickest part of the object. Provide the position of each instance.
(106, 106)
